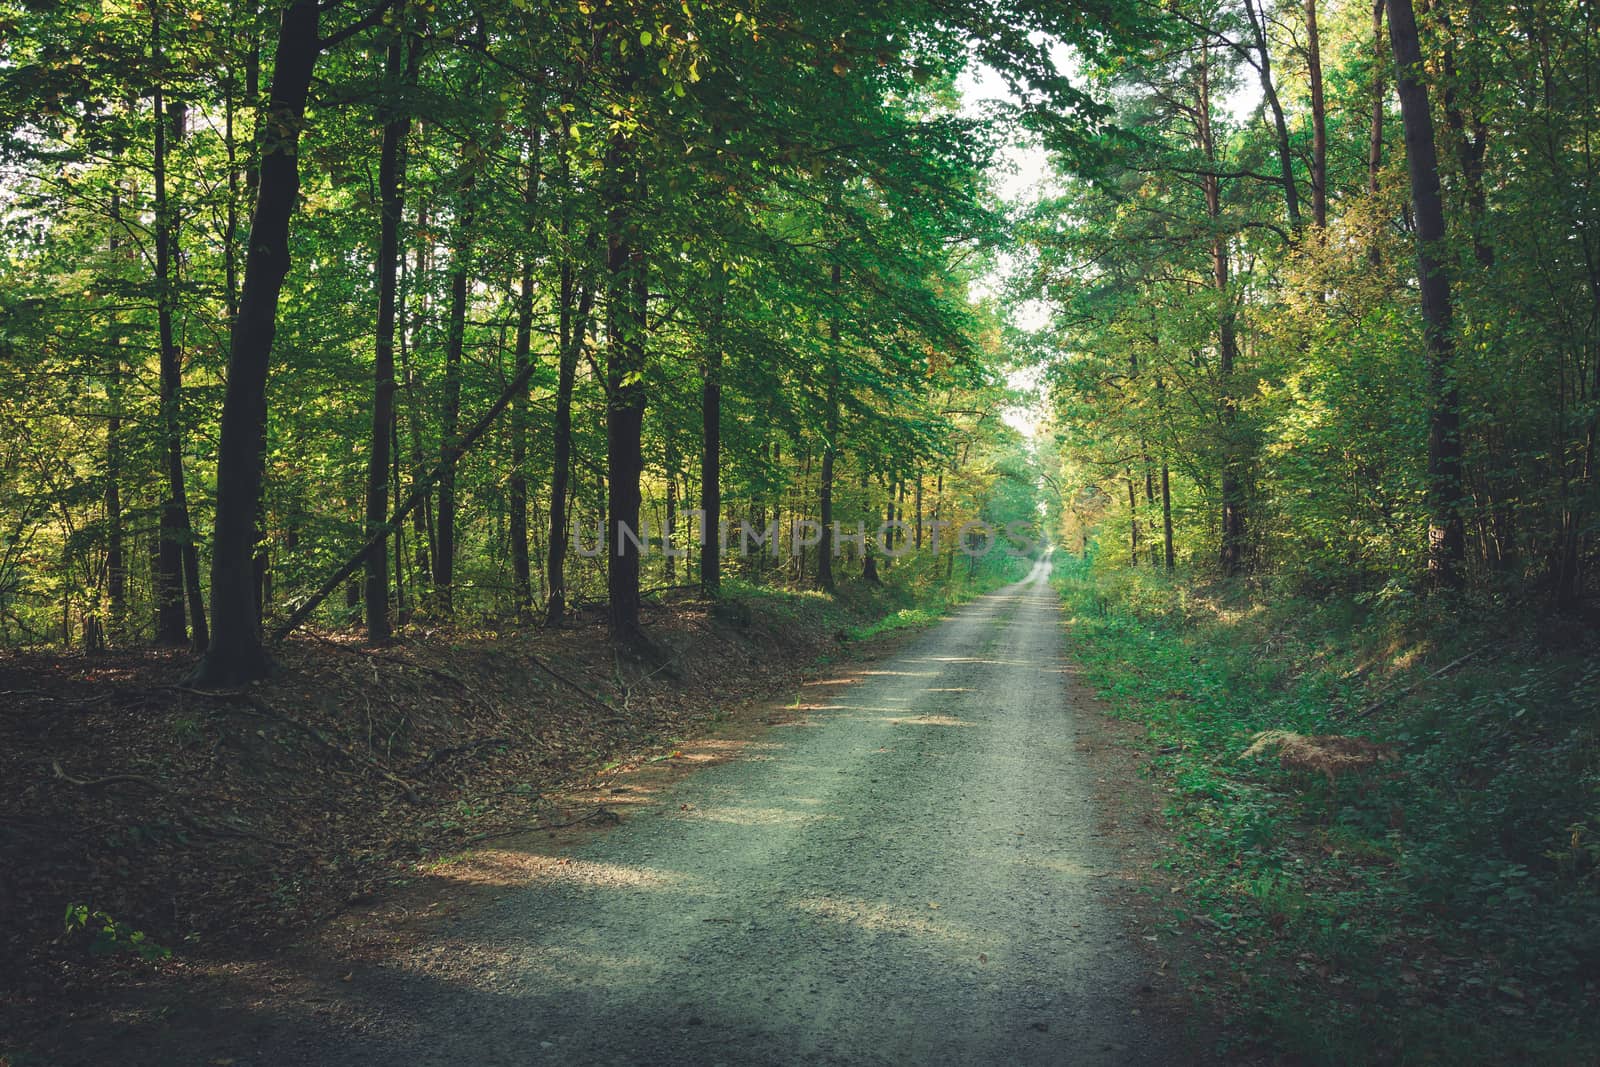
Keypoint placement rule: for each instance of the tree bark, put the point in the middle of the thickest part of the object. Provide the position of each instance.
(711, 440)
(517, 488)
(398, 69)
(1380, 64)
(235, 654)
(830, 447)
(1319, 121)
(444, 541)
(179, 572)
(1291, 194)
(417, 495)
(626, 309)
(116, 563)
(1231, 556)
(1446, 531)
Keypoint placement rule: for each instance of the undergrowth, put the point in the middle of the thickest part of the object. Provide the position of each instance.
(1443, 906)
(911, 593)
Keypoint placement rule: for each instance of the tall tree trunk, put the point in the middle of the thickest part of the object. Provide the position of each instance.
(1133, 520)
(116, 564)
(398, 69)
(627, 290)
(1446, 531)
(561, 448)
(919, 507)
(1469, 136)
(1170, 558)
(421, 525)
(444, 542)
(1319, 120)
(830, 447)
(711, 439)
(1231, 555)
(235, 654)
(1380, 64)
(1280, 126)
(182, 582)
(517, 488)
(574, 327)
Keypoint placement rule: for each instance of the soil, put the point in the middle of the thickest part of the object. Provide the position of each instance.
(939, 852)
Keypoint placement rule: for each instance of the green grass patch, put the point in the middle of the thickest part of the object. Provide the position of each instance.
(1443, 906)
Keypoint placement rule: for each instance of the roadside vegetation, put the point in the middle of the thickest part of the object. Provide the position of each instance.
(1440, 906)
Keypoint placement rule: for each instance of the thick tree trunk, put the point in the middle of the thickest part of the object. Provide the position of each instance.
(235, 654)
(391, 177)
(711, 441)
(1446, 532)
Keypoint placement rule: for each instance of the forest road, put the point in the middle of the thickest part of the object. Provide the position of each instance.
(910, 873)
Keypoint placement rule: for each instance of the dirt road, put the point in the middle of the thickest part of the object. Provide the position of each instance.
(908, 874)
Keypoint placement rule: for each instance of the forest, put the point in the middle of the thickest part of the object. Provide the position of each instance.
(392, 328)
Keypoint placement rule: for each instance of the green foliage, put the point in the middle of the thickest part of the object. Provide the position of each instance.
(1400, 915)
(106, 936)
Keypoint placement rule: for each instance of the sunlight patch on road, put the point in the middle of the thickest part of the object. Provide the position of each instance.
(928, 720)
(608, 875)
(907, 920)
(755, 816)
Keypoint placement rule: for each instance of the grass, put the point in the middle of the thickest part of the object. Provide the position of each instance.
(1443, 907)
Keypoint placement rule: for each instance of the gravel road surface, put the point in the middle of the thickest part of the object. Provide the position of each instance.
(909, 873)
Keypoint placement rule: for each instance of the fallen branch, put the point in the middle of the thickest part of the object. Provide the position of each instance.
(1418, 684)
(262, 708)
(110, 779)
(452, 455)
(581, 690)
(455, 750)
(42, 695)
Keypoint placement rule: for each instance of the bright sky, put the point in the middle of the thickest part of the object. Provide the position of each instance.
(1021, 176)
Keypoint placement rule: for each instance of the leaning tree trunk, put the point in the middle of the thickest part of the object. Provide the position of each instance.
(1280, 126)
(1446, 531)
(235, 654)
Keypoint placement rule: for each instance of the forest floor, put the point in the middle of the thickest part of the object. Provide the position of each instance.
(148, 828)
(939, 851)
